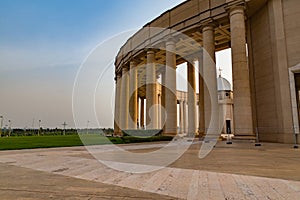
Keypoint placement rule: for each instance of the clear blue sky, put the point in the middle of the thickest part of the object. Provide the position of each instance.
(43, 43)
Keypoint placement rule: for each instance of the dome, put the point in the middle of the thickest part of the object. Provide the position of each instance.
(223, 84)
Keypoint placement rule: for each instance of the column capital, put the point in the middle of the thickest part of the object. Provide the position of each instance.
(236, 9)
(170, 42)
(124, 69)
(135, 61)
(235, 6)
(150, 57)
(171, 45)
(150, 51)
(118, 76)
(132, 63)
(208, 26)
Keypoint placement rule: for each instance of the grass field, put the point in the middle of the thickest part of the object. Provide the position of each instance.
(31, 142)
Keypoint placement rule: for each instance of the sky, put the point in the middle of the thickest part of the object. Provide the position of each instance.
(44, 45)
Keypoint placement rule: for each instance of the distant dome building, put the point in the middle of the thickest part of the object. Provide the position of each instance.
(223, 84)
(225, 99)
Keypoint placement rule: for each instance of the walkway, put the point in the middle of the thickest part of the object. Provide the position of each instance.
(175, 182)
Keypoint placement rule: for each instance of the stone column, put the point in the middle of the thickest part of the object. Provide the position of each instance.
(124, 104)
(159, 111)
(133, 104)
(163, 105)
(243, 122)
(201, 97)
(210, 77)
(151, 92)
(181, 118)
(191, 100)
(170, 89)
(184, 117)
(142, 114)
(117, 105)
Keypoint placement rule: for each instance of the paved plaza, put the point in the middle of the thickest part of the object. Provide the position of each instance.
(238, 171)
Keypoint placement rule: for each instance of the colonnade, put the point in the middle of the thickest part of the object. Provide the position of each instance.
(130, 106)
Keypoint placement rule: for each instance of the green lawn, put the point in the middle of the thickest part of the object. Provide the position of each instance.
(30, 142)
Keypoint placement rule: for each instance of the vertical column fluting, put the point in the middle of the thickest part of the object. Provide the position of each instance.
(210, 77)
(151, 92)
(243, 121)
(170, 90)
(124, 104)
(191, 100)
(117, 105)
(133, 103)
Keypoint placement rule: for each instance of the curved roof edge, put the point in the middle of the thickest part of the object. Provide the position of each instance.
(186, 17)
(223, 84)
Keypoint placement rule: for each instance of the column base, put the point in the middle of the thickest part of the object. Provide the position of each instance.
(191, 134)
(169, 134)
(250, 138)
(118, 134)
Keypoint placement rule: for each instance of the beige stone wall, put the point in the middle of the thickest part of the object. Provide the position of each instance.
(275, 44)
(291, 20)
(291, 12)
(264, 79)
